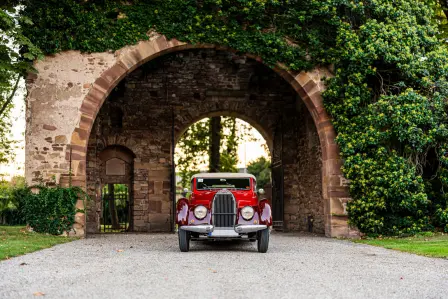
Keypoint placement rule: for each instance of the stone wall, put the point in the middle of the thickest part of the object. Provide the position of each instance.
(188, 86)
(52, 112)
(302, 162)
(69, 90)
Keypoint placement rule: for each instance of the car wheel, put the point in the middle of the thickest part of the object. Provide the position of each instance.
(263, 240)
(184, 240)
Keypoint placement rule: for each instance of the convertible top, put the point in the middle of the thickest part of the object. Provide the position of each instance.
(224, 175)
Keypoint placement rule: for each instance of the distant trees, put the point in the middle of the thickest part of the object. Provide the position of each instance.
(212, 142)
(11, 200)
(261, 169)
(16, 54)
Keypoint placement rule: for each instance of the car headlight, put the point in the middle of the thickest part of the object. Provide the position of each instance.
(200, 212)
(247, 213)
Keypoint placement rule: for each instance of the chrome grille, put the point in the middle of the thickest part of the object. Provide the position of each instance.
(224, 209)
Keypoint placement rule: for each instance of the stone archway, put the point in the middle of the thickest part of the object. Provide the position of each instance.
(113, 68)
(307, 85)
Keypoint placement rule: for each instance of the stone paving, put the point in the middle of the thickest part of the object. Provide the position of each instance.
(151, 266)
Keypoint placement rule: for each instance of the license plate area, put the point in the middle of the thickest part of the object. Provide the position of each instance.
(223, 232)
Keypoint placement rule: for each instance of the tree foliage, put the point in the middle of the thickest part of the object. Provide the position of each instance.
(16, 51)
(441, 14)
(195, 147)
(261, 169)
(387, 97)
(11, 201)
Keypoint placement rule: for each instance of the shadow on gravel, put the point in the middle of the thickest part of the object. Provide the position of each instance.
(240, 246)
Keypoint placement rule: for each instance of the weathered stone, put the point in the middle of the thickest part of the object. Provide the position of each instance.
(61, 139)
(49, 127)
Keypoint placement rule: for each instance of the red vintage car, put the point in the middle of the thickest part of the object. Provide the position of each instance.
(224, 206)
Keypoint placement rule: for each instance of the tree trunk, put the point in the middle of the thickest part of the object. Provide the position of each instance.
(215, 143)
(11, 97)
(112, 207)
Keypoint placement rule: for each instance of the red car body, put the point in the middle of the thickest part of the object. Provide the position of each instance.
(224, 218)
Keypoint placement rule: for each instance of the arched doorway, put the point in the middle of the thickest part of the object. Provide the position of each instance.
(153, 105)
(112, 177)
(307, 85)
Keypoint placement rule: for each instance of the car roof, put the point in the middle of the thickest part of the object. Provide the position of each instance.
(223, 175)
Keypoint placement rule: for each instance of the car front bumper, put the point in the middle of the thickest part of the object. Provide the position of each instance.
(238, 229)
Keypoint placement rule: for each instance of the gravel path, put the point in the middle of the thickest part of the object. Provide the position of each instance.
(151, 266)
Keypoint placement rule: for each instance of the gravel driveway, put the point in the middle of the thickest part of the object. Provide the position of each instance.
(151, 266)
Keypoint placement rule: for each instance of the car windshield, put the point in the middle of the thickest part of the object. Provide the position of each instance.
(218, 183)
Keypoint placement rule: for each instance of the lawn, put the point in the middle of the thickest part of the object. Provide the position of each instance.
(16, 240)
(433, 245)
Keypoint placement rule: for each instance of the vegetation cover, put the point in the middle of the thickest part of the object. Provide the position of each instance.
(51, 210)
(16, 52)
(427, 244)
(45, 209)
(18, 240)
(387, 97)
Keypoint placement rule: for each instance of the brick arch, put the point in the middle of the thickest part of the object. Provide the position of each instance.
(307, 84)
(117, 151)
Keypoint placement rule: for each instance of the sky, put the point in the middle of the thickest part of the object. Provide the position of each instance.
(17, 165)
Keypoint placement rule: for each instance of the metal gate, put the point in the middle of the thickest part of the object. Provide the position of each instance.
(277, 177)
(116, 208)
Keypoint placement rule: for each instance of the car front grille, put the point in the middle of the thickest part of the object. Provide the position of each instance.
(224, 209)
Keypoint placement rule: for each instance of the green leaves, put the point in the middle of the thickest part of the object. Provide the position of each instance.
(193, 149)
(13, 67)
(387, 100)
(52, 210)
(261, 169)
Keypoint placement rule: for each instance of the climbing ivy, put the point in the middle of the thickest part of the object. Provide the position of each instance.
(51, 210)
(387, 97)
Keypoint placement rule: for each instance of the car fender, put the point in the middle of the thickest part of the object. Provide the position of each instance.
(265, 212)
(182, 212)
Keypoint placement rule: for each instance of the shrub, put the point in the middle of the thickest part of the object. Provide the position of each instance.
(52, 210)
(11, 201)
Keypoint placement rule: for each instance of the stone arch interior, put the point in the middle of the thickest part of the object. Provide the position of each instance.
(160, 98)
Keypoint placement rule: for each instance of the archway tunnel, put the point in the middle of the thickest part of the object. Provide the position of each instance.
(150, 109)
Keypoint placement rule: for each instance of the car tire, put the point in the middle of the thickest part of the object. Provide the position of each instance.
(184, 240)
(263, 240)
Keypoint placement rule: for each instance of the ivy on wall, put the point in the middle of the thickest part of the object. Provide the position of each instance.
(48, 210)
(387, 97)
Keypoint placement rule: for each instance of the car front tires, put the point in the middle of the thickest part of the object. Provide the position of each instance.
(263, 240)
(184, 240)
